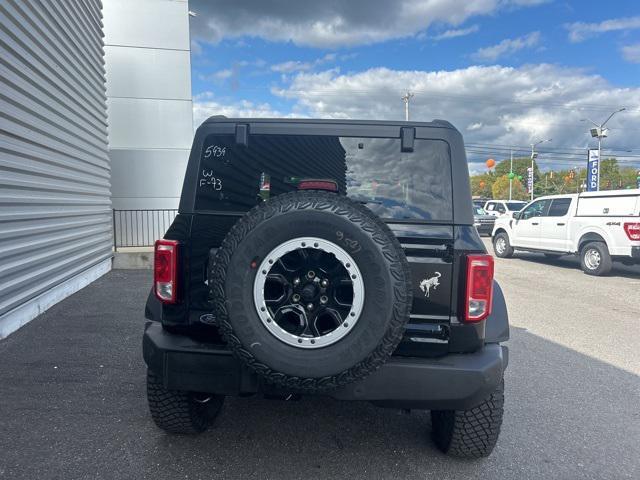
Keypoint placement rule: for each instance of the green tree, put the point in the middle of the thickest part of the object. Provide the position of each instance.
(628, 177)
(609, 174)
(500, 189)
(520, 169)
(520, 166)
(481, 185)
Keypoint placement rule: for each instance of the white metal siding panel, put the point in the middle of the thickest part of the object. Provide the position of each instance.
(55, 208)
(148, 73)
(158, 29)
(148, 100)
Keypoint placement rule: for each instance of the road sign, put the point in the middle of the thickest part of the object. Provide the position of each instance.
(593, 166)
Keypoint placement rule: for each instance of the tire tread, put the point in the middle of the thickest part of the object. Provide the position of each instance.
(176, 411)
(470, 433)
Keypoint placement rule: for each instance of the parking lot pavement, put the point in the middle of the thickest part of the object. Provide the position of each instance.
(73, 405)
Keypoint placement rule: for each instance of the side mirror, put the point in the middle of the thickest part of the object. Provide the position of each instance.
(516, 215)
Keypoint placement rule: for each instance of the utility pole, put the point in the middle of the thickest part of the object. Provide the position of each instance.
(534, 154)
(405, 98)
(511, 176)
(600, 132)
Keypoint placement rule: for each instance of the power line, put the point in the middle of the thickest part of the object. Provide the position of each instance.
(524, 147)
(523, 150)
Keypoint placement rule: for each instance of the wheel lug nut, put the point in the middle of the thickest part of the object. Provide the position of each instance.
(296, 297)
(324, 283)
(311, 274)
(310, 306)
(324, 299)
(296, 281)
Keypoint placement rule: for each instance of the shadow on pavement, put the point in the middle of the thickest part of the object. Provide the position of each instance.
(73, 406)
(570, 262)
(573, 263)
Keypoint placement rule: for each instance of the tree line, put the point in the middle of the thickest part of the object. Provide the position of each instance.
(495, 182)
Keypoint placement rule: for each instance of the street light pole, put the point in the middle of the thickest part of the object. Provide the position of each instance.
(600, 132)
(533, 157)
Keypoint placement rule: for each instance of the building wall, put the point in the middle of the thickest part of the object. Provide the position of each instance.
(55, 210)
(148, 69)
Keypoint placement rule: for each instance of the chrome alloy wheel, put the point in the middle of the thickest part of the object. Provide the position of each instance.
(592, 259)
(501, 245)
(308, 292)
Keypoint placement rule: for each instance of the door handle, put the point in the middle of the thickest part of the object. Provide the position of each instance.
(535, 223)
(561, 224)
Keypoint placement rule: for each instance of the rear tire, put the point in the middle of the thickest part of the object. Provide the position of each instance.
(176, 411)
(501, 246)
(595, 259)
(470, 433)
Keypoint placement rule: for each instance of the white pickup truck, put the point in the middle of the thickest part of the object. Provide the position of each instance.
(598, 226)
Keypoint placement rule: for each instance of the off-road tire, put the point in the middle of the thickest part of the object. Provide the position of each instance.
(508, 249)
(470, 433)
(386, 305)
(605, 259)
(179, 412)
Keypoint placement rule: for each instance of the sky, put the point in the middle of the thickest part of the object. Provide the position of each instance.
(506, 73)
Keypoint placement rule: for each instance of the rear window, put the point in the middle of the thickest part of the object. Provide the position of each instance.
(559, 207)
(373, 171)
(515, 206)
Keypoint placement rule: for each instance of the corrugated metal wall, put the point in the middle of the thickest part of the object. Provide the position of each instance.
(55, 208)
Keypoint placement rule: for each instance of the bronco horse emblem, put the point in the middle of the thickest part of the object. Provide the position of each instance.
(428, 283)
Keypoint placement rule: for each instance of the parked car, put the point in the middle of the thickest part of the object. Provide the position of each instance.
(498, 208)
(484, 223)
(597, 226)
(480, 202)
(334, 258)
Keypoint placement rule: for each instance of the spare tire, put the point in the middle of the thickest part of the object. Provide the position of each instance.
(311, 290)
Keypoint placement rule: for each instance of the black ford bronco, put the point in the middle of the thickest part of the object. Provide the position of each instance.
(333, 258)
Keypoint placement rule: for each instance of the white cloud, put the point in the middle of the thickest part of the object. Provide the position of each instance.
(206, 105)
(298, 66)
(580, 31)
(222, 74)
(456, 32)
(330, 24)
(490, 104)
(631, 53)
(507, 47)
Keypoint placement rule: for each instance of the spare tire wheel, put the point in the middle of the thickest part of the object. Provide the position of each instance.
(311, 290)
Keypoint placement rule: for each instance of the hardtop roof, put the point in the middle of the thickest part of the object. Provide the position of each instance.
(332, 121)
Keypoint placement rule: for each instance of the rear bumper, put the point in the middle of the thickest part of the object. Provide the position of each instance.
(631, 253)
(451, 382)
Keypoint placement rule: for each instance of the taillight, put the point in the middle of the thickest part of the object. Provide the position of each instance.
(328, 185)
(165, 267)
(479, 287)
(632, 230)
